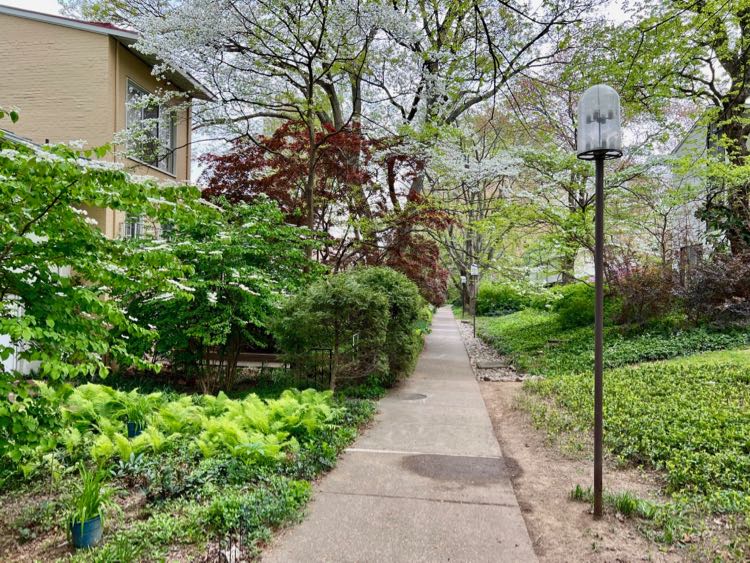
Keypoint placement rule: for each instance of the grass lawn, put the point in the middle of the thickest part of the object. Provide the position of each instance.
(687, 417)
(205, 471)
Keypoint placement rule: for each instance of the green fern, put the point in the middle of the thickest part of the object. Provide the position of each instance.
(123, 446)
(102, 449)
(215, 406)
(180, 416)
(136, 407)
(151, 440)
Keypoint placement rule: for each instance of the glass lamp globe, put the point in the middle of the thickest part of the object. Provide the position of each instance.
(599, 134)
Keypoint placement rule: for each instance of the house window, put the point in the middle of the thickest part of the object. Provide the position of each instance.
(133, 227)
(151, 130)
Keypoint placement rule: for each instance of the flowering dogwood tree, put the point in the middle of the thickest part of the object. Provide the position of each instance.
(472, 175)
(59, 273)
(265, 62)
(242, 262)
(63, 283)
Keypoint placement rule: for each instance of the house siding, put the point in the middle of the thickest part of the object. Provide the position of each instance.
(59, 80)
(70, 84)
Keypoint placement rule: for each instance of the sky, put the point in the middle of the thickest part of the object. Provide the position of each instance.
(48, 6)
(614, 9)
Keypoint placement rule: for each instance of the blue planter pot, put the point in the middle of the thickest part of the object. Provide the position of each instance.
(134, 429)
(87, 534)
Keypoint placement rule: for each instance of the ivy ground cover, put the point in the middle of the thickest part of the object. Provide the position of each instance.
(687, 417)
(537, 343)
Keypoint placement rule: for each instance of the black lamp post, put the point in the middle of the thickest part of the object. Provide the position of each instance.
(599, 138)
(463, 296)
(474, 280)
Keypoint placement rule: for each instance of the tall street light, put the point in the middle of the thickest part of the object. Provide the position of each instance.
(463, 296)
(474, 281)
(599, 138)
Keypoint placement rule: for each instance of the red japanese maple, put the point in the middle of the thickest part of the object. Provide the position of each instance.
(276, 166)
(361, 221)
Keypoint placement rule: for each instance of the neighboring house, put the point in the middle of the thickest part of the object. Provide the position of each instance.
(74, 80)
(688, 232)
(77, 80)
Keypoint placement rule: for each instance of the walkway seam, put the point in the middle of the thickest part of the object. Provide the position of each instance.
(403, 452)
(426, 499)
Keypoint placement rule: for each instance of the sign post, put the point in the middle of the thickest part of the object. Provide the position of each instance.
(463, 296)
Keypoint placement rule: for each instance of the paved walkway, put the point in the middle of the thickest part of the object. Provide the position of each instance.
(427, 482)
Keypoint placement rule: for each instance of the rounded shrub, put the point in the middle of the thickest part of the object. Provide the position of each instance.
(402, 342)
(495, 299)
(340, 314)
(575, 305)
(368, 317)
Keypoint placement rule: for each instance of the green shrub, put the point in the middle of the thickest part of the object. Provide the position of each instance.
(239, 266)
(542, 299)
(369, 318)
(575, 305)
(499, 299)
(31, 425)
(406, 307)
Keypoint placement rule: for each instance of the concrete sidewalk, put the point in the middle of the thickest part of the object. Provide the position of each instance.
(427, 482)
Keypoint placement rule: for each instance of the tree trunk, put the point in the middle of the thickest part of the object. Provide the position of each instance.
(312, 155)
(734, 129)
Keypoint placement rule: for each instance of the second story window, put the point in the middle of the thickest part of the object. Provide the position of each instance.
(151, 130)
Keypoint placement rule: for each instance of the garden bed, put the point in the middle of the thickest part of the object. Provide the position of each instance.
(207, 474)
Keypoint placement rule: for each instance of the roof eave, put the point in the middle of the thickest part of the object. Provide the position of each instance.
(177, 76)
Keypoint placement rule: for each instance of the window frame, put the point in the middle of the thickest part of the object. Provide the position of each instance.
(168, 163)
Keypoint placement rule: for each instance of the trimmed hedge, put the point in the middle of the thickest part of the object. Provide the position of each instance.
(495, 299)
(371, 318)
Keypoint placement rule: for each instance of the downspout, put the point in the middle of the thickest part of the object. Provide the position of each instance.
(114, 125)
(188, 140)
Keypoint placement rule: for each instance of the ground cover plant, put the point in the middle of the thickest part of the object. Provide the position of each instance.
(687, 418)
(205, 468)
(538, 344)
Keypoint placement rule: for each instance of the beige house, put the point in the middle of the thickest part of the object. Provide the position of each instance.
(77, 80)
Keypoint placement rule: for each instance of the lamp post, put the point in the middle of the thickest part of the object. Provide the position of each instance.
(463, 296)
(474, 279)
(599, 138)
